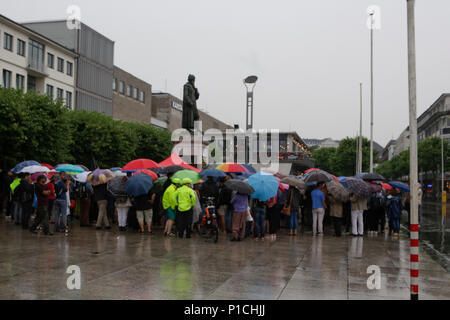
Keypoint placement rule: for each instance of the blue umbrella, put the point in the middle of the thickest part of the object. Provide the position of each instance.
(265, 185)
(249, 168)
(213, 173)
(24, 164)
(69, 168)
(399, 185)
(115, 169)
(343, 181)
(138, 185)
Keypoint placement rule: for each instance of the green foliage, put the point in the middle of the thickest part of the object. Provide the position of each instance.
(33, 127)
(325, 158)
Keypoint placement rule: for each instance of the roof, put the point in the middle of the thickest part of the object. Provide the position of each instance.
(444, 95)
(37, 34)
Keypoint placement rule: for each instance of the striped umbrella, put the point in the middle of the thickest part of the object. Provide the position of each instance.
(232, 167)
(99, 176)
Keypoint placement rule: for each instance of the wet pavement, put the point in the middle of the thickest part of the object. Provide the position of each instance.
(133, 266)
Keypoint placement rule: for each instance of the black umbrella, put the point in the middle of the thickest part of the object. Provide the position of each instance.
(117, 186)
(370, 176)
(239, 186)
(317, 176)
(173, 169)
(358, 187)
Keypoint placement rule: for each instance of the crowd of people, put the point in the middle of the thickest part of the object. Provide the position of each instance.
(180, 206)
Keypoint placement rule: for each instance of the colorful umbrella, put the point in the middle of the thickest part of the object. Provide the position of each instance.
(69, 168)
(232, 167)
(399, 185)
(24, 164)
(83, 167)
(249, 168)
(150, 173)
(386, 186)
(176, 160)
(82, 177)
(138, 185)
(48, 166)
(115, 169)
(239, 186)
(140, 164)
(99, 176)
(265, 185)
(194, 176)
(312, 169)
(34, 168)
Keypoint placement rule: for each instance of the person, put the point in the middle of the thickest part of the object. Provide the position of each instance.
(376, 204)
(186, 200)
(102, 202)
(318, 209)
(16, 204)
(419, 201)
(258, 208)
(26, 191)
(51, 197)
(240, 205)
(209, 189)
(294, 199)
(274, 212)
(358, 207)
(198, 210)
(347, 215)
(42, 193)
(169, 204)
(394, 212)
(223, 205)
(144, 211)
(86, 191)
(123, 205)
(336, 213)
(61, 189)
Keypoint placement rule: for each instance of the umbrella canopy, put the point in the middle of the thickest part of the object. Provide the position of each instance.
(358, 187)
(399, 185)
(232, 167)
(374, 187)
(175, 160)
(337, 190)
(312, 169)
(119, 174)
(370, 176)
(36, 175)
(83, 167)
(294, 182)
(317, 176)
(386, 186)
(82, 177)
(69, 168)
(150, 173)
(115, 169)
(182, 174)
(99, 176)
(212, 173)
(249, 168)
(239, 186)
(173, 169)
(34, 168)
(24, 164)
(48, 166)
(140, 164)
(117, 186)
(158, 185)
(138, 185)
(265, 185)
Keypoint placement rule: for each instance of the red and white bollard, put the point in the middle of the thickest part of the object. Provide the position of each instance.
(414, 245)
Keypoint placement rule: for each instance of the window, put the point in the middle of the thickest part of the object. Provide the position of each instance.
(68, 99)
(114, 84)
(121, 87)
(31, 83)
(6, 79)
(60, 65)
(142, 97)
(8, 41)
(135, 93)
(20, 81)
(21, 47)
(128, 91)
(50, 60)
(36, 55)
(50, 91)
(69, 68)
(59, 93)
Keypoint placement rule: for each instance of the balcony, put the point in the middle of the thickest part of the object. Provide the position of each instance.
(36, 68)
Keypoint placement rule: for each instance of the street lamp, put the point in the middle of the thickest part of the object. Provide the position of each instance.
(371, 90)
(250, 83)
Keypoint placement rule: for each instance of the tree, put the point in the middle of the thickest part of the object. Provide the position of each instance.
(324, 158)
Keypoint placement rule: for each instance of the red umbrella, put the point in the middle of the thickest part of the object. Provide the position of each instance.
(140, 164)
(47, 165)
(335, 178)
(175, 160)
(312, 169)
(147, 172)
(386, 186)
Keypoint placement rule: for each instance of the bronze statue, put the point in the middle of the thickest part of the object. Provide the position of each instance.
(190, 97)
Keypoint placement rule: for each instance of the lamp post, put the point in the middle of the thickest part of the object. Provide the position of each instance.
(413, 169)
(371, 91)
(250, 83)
(360, 130)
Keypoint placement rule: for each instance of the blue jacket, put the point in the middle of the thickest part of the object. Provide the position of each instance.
(394, 207)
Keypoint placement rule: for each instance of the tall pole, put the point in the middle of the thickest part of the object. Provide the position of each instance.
(442, 163)
(360, 129)
(414, 227)
(357, 154)
(371, 92)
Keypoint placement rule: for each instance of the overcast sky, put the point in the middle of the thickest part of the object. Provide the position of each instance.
(309, 55)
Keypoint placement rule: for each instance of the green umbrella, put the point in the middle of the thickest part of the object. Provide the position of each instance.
(194, 176)
(158, 185)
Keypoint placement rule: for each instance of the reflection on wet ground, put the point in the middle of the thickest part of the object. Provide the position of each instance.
(134, 266)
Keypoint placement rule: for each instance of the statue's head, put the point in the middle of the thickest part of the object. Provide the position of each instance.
(191, 78)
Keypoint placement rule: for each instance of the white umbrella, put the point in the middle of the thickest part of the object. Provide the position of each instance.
(34, 169)
(81, 177)
(119, 174)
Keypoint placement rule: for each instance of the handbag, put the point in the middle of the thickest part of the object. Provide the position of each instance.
(35, 201)
(287, 209)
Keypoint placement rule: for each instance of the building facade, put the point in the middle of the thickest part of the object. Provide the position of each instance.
(435, 121)
(95, 62)
(322, 143)
(132, 98)
(31, 61)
